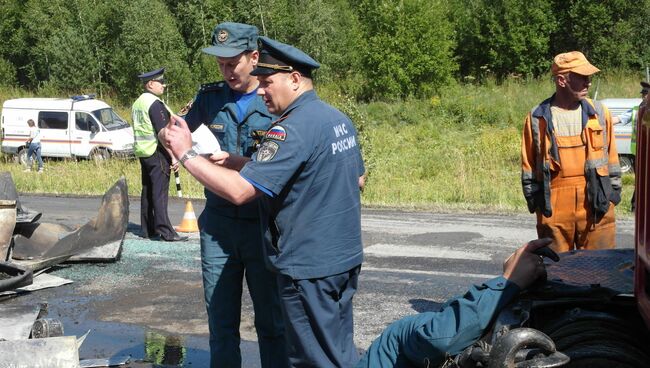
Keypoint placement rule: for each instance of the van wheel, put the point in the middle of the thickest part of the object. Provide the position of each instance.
(21, 157)
(99, 154)
(627, 163)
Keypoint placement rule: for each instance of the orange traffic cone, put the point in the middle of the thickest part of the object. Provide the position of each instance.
(189, 223)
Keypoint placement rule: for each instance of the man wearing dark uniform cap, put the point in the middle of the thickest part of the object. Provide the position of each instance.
(150, 115)
(231, 241)
(307, 171)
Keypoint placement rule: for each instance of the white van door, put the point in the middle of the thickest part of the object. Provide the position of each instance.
(83, 134)
(55, 136)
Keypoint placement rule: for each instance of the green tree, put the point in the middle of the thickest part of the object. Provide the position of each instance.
(407, 48)
(608, 32)
(41, 21)
(330, 32)
(639, 56)
(196, 20)
(503, 37)
(149, 39)
(11, 41)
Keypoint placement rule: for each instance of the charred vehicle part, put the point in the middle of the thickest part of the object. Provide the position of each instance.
(37, 245)
(28, 338)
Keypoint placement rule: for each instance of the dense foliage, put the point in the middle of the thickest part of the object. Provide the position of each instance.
(369, 49)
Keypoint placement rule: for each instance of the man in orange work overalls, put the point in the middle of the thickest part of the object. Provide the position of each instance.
(570, 172)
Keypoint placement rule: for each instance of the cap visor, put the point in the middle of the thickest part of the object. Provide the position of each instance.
(222, 51)
(263, 71)
(586, 69)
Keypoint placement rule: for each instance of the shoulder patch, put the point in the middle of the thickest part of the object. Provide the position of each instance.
(267, 151)
(211, 86)
(277, 132)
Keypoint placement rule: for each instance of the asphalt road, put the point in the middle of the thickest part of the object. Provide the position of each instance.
(149, 304)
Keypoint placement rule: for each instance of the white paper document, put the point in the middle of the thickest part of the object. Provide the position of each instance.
(204, 142)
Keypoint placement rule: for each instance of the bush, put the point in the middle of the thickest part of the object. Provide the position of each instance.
(407, 48)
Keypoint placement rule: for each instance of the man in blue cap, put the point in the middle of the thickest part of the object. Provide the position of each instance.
(150, 115)
(307, 170)
(231, 241)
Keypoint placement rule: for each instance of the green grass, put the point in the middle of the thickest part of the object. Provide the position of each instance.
(86, 177)
(456, 151)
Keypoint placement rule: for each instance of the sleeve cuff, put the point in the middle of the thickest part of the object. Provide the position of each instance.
(259, 186)
(501, 283)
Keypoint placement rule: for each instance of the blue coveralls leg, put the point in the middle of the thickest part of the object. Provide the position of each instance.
(388, 350)
(231, 249)
(318, 319)
(425, 339)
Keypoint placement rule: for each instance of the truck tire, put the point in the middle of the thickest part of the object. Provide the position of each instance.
(21, 157)
(627, 163)
(599, 339)
(99, 155)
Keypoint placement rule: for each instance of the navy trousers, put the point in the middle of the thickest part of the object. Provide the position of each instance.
(154, 197)
(318, 319)
(231, 249)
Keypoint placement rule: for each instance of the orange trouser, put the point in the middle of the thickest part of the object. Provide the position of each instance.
(571, 225)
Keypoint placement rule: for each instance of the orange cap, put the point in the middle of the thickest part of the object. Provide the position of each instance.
(573, 61)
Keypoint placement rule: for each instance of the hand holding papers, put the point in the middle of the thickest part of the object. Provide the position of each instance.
(204, 142)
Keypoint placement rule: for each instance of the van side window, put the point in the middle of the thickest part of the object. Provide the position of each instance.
(84, 121)
(52, 120)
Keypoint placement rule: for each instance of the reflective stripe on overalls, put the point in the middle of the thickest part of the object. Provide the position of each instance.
(144, 134)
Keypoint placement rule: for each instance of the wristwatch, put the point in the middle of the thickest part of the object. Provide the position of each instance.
(190, 154)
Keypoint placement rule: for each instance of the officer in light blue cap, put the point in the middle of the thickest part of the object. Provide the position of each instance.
(231, 242)
(307, 171)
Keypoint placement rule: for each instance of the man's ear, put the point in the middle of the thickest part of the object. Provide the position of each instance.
(255, 57)
(295, 78)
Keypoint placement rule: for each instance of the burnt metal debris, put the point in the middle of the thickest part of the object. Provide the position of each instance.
(13, 276)
(38, 245)
(28, 338)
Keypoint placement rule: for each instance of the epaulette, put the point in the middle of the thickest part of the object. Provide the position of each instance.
(212, 86)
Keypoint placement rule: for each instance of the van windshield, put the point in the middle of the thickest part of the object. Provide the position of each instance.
(110, 119)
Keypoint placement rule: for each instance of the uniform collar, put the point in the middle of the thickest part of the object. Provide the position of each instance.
(257, 105)
(544, 109)
(301, 100)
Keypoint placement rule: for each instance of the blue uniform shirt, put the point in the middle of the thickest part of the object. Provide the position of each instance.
(309, 165)
(215, 105)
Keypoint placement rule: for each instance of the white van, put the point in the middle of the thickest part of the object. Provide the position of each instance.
(623, 130)
(80, 126)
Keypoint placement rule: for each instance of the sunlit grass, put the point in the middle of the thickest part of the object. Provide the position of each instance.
(87, 177)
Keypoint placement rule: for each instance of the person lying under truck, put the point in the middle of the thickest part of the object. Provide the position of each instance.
(426, 339)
